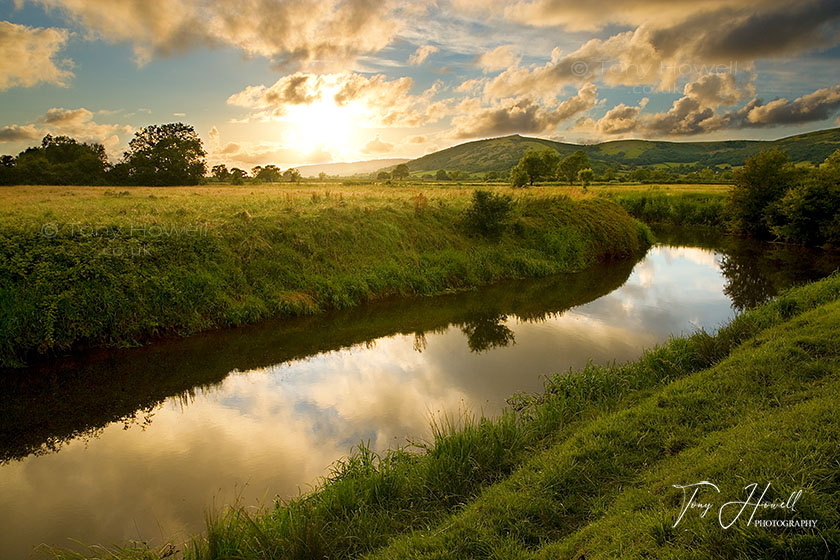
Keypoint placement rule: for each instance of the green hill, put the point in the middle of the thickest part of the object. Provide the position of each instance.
(500, 154)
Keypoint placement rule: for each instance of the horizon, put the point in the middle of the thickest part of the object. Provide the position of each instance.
(296, 85)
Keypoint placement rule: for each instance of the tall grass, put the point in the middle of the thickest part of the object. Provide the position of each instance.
(685, 209)
(82, 268)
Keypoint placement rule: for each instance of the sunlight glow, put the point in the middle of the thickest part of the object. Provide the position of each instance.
(322, 126)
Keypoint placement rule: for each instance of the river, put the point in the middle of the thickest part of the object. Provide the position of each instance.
(117, 445)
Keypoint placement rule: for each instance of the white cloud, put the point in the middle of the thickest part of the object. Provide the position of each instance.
(377, 146)
(304, 31)
(29, 56)
(499, 58)
(421, 54)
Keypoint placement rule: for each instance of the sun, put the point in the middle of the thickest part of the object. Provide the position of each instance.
(322, 125)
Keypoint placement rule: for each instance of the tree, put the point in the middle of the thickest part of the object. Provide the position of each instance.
(61, 160)
(809, 213)
(441, 175)
(518, 176)
(322, 176)
(401, 172)
(237, 176)
(585, 177)
(569, 167)
(292, 175)
(538, 165)
(267, 174)
(168, 154)
(491, 176)
(763, 180)
(220, 172)
(383, 176)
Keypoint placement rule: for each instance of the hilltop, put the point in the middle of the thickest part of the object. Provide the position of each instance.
(500, 154)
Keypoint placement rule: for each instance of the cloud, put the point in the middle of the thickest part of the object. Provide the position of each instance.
(304, 31)
(499, 58)
(17, 133)
(670, 41)
(29, 56)
(79, 124)
(377, 146)
(378, 101)
(421, 54)
(620, 119)
(247, 154)
(698, 111)
(814, 106)
(522, 115)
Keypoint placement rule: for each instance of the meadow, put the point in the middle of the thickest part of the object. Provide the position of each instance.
(104, 266)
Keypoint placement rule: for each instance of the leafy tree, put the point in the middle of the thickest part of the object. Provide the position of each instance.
(538, 165)
(220, 172)
(491, 176)
(61, 160)
(518, 176)
(292, 175)
(585, 177)
(383, 176)
(763, 180)
(809, 213)
(459, 175)
(237, 176)
(168, 154)
(441, 175)
(267, 174)
(322, 176)
(571, 164)
(640, 175)
(401, 172)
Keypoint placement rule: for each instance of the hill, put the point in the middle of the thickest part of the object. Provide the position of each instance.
(350, 168)
(500, 154)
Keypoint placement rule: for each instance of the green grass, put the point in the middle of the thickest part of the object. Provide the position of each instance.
(653, 206)
(585, 469)
(83, 266)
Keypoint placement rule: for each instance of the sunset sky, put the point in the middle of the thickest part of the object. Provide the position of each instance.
(314, 81)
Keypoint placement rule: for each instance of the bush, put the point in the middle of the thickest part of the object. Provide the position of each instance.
(763, 180)
(488, 214)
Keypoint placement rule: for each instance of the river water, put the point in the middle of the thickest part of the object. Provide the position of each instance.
(121, 445)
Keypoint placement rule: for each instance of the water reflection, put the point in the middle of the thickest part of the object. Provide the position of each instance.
(135, 463)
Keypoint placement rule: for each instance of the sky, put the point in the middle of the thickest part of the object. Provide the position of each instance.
(315, 81)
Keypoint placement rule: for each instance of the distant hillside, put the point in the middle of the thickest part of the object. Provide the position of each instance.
(500, 154)
(349, 169)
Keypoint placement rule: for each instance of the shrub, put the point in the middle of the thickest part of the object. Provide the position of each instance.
(488, 214)
(763, 180)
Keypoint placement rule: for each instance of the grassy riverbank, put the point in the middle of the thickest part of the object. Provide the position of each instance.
(84, 266)
(586, 469)
(679, 209)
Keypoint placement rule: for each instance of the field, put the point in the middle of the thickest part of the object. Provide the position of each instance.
(93, 266)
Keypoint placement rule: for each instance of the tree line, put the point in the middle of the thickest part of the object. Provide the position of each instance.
(167, 154)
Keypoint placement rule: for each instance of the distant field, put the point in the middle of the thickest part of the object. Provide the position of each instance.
(91, 266)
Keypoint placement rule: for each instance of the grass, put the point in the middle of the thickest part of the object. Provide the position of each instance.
(674, 207)
(86, 266)
(585, 469)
